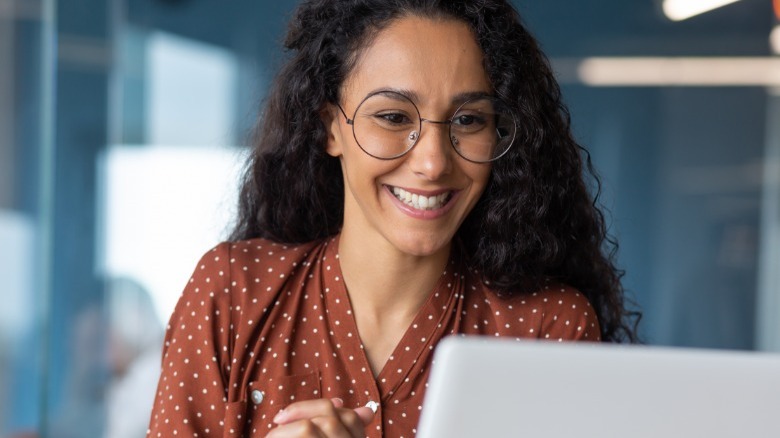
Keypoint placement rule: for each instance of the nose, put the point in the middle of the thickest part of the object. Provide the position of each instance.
(431, 158)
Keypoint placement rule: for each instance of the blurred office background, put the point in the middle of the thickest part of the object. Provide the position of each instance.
(123, 124)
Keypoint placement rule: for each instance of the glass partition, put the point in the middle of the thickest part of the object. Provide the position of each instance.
(27, 64)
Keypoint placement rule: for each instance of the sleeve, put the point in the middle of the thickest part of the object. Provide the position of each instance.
(191, 394)
(569, 316)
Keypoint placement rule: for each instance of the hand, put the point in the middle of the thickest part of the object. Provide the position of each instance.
(321, 418)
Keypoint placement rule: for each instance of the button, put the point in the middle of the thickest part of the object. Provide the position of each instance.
(257, 396)
(372, 405)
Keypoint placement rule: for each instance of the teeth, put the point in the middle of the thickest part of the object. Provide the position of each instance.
(421, 202)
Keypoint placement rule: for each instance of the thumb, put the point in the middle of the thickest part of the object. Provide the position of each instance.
(365, 414)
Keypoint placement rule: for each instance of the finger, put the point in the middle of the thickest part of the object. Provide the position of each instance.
(297, 429)
(306, 409)
(335, 427)
(315, 417)
(356, 420)
(366, 414)
(346, 424)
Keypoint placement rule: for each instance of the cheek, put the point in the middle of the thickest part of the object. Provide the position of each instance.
(362, 171)
(480, 174)
(480, 178)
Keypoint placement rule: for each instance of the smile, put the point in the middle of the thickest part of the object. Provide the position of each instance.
(422, 202)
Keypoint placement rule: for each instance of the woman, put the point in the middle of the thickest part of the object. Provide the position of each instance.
(414, 176)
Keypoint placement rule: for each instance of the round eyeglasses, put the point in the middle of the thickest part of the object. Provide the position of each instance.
(387, 125)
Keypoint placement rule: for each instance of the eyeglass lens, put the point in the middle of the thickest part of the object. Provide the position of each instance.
(386, 125)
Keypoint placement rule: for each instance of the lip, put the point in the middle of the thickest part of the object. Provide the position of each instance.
(423, 214)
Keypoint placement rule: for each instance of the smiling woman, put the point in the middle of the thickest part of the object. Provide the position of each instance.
(413, 176)
(435, 74)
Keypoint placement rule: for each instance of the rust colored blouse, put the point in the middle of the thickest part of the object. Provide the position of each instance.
(261, 325)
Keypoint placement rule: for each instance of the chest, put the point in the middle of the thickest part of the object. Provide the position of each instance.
(305, 344)
(318, 358)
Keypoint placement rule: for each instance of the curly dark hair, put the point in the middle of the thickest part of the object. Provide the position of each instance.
(535, 219)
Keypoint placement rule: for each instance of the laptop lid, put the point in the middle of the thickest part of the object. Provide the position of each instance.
(487, 387)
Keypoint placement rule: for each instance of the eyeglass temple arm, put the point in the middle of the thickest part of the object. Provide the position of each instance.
(349, 121)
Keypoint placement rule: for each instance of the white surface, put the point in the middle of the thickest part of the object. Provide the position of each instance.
(163, 208)
(502, 388)
(130, 398)
(191, 93)
(17, 271)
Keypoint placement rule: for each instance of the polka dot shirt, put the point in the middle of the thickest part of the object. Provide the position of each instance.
(261, 325)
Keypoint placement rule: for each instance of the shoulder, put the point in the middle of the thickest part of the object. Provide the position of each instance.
(254, 259)
(233, 274)
(567, 314)
(557, 311)
(245, 255)
(233, 283)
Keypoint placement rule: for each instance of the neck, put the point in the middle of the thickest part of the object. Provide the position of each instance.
(389, 285)
(386, 288)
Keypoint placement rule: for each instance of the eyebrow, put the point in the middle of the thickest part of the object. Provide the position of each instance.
(458, 99)
(469, 95)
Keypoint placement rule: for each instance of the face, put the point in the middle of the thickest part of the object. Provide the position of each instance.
(433, 62)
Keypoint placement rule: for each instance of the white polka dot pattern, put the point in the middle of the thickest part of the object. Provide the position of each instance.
(261, 325)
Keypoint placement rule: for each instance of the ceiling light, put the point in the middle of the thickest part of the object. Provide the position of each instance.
(678, 10)
(678, 71)
(774, 39)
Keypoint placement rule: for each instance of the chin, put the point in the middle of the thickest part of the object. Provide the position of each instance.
(423, 246)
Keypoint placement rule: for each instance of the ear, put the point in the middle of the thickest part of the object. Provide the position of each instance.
(331, 117)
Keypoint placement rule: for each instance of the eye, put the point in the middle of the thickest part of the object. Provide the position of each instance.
(394, 118)
(466, 120)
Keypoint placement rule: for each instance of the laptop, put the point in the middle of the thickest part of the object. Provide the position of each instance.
(488, 387)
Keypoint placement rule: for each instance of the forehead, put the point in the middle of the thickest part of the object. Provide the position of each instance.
(436, 59)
